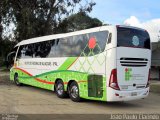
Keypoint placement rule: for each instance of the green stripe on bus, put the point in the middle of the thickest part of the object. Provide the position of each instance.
(67, 63)
(56, 71)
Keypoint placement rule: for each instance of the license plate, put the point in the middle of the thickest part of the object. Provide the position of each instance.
(134, 94)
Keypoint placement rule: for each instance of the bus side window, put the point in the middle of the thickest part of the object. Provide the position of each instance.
(45, 49)
(19, 54)
(29, 51)
(101, 40)
(78, 44)
(63, 48)
(53, 49)
(109, 38)
(37, 50)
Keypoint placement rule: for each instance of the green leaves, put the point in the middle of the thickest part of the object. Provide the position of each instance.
(78, 21)
(34, 18)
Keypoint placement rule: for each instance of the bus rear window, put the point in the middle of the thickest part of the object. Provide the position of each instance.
(130, 37)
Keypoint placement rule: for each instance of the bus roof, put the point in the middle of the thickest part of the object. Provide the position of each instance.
(62, 35)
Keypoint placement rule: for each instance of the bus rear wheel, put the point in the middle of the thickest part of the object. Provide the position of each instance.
(74, 92)
(16, 80)
(59, 89)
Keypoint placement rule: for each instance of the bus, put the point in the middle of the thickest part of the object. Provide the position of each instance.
(107, 63)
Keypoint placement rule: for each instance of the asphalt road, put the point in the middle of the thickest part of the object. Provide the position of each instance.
(31, 100)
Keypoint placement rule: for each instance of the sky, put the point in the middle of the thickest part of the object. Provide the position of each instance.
(117, 11)
(139, 13)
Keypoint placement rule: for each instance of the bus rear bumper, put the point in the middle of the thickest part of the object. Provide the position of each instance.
(116, 95)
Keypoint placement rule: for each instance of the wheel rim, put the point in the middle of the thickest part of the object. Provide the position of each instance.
(16, 79)
(60, 89)
(74, 91)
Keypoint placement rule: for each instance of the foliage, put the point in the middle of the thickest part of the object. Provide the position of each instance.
(6, 46)
(78, 21)
(35, 18)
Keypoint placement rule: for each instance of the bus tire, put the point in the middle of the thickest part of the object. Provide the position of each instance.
(16, 81)
(59, 89)
(74, 92)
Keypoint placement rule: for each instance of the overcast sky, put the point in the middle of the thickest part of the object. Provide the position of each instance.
(140, 13)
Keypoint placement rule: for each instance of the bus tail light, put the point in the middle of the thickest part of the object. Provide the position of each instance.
(149, 73)
(113, 80)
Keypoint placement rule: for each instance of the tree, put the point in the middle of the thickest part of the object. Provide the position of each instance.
(78, 21)
(1, 13)
(35, 18)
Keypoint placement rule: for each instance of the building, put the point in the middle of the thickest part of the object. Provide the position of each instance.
(155, 61)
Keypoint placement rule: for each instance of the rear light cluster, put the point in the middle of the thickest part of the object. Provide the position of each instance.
(148, 78)
(113, 83)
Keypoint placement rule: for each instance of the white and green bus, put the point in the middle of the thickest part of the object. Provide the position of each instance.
(108, 63)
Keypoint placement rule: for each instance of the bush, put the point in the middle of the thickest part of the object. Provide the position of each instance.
(1, 62)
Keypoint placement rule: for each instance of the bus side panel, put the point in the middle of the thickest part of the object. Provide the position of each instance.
(111, 64)
(12, 74)
(12, 70)
(39, 72)
(111, 58)
(44, 76)
(92, 84)
(85, 71)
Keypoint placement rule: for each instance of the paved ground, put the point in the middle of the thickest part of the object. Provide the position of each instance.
(31, 100)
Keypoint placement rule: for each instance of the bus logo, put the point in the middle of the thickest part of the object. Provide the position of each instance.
(128, 74)
(135, 41)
